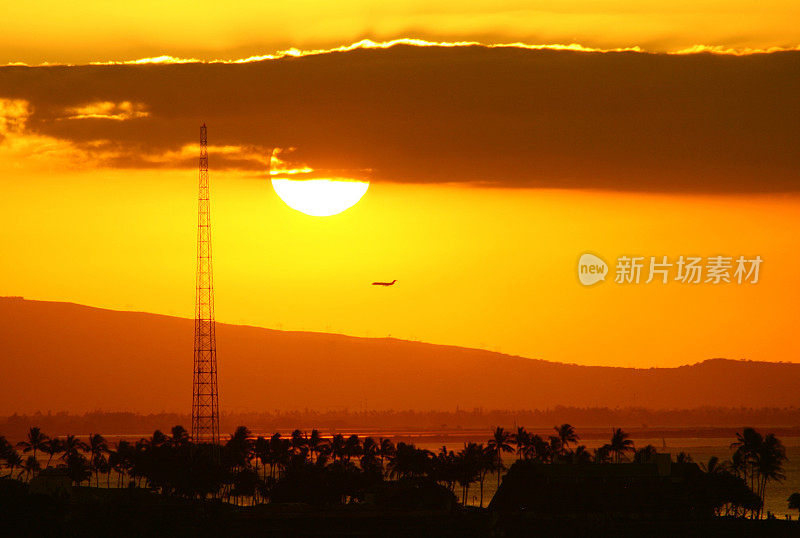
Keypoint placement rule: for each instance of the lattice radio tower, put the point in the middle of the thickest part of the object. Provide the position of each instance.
(205, 396)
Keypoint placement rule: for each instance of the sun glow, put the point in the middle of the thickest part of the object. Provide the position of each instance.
(320, 197)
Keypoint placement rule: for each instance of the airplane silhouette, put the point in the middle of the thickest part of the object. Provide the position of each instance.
(385, 283)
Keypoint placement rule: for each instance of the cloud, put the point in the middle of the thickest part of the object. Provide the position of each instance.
(107, 110)
(13, 115)
(369, 44)
(503, 116)
(21, 147)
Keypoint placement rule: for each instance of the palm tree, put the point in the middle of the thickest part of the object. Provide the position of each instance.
(36, 440)
(13, 460)
(445, 468)
(409, 461)
(261, 453)
(523, 440)
(53, 447)
(566, 433)
(97, 448)
(78, 468)
(315, 443)
(369, 457)
(337, 447)
(714, 466)
(122, 461)
(499, 443)
(352, 447)
(279, 454)
(298, 441)
(620, 444)
(555, 449)
(72, 446)
(158, 439)
(369, 447)
(794, 502)
(180, 437)
(581, 455)
(602, 454)
(644, 455)
(387, 449)
(769, 464)
(485, 465)
(539, 449)
(240, 447)
(747, 445)
(5, 447)
(31, 467)
(468, 467)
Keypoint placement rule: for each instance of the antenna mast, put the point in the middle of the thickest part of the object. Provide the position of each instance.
(205, 396)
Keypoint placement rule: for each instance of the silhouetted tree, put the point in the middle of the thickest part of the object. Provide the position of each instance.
(352, 447)
(566, 434)
(620, 444)
(522, 439)
(602, 454)
(468, 466)
(72, 446)
(540, 449)
(34, 441)
(78, 468)
(239, 448)
(581, 455)
(54, 446)
(499, 443)
(122, 461)
(298, 441)
(444, 464)
(714, 466)
(409, 461)
(180, 437)
(554, 448)
(486, 465)
(31, 467)
(769, 464)
(14, 461)
(316, 444)
(794, 502)
(645, 454)
(5, 447)
(387, 449)
(746, 446)
(758, 459)
(98, 447)
(337, 447)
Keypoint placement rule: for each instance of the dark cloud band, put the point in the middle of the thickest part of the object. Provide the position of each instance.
(500, 117)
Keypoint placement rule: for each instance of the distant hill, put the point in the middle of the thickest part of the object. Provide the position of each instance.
(63, 356)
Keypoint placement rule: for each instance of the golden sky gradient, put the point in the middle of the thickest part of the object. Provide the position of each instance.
(492, 170)
(58, 32)
(490, 268)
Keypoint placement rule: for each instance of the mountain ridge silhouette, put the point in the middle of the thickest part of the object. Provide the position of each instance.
(76, 358)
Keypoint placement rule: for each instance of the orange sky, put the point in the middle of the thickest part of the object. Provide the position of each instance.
(492, 170)
(49, 31)
(490, 268)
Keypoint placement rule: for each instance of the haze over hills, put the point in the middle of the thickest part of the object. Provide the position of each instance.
(68, 357)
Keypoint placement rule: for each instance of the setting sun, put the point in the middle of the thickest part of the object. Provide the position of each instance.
(320, 197)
